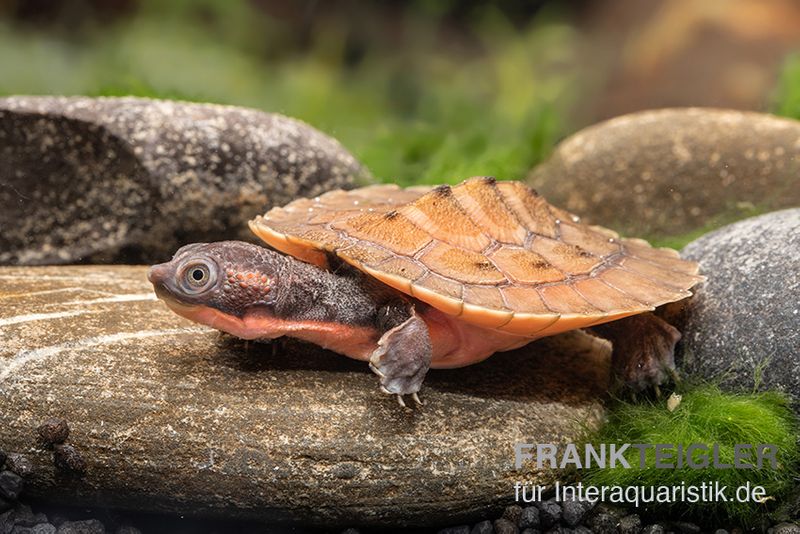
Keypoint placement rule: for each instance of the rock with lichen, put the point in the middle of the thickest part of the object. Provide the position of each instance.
(131, 179)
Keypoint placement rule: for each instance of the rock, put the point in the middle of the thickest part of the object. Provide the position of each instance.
(504, 526)
(54, 430)
(529, 517)
(603, 523)
(131, 179)
(462, 529)
(89, 526)
(673, 171)
(2, 459)
(513, 513)
(574, 511)
(19, 464)
(630, 524)
(11, 485)
(746, 314)
(484, 527)
(170, 417)
(41, 528)
(67, 458)
(549, 512)
(653, 529)
(787, 528)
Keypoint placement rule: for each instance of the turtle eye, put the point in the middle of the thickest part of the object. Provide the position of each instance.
(197, 276)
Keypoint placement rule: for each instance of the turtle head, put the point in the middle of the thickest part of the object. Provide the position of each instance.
(228, 277)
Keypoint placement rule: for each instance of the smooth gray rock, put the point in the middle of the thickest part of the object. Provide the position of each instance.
(746, 316)
(673, 171)
(170, 417)
(129, 180)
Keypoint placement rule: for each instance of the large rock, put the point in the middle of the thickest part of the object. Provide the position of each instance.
(669, 172)
(742, 325)
(170, 417)
(131, 179)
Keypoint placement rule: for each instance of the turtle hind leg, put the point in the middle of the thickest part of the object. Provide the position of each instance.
(643, 350)
(403, 357)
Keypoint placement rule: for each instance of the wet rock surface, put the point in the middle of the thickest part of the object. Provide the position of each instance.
(672, 171)
(169, 417)
(742, 324)
(129, 180)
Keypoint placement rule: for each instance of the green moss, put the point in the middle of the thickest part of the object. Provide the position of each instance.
(708, 416)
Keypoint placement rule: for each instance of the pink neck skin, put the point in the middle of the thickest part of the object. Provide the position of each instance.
(455, 343)
(355, 342)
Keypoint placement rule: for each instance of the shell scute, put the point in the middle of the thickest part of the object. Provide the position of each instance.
(495, 254)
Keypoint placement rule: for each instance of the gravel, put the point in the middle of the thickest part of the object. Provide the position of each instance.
(560, 517)
(53, 431)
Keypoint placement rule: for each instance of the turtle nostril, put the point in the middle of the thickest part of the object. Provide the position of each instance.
(156, 273)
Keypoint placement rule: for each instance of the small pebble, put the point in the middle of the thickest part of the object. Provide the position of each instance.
(54, 431)
(686, 527)
(603, 523)
(787, 528)
(19, 464)
(574, 511)
(549, 513)
(127, 529)
(484, 527)
(461, 529)
(653, 529)
(720, 531)
(513, 513)
(531, 531)
(559, 529)
(67, 458)
(89, 526)
(504, 526)
(11, 485)
(41, 528)
(630, 524)
(23, 516)
(529, 517)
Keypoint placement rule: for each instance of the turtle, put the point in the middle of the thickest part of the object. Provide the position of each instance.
(434, 277)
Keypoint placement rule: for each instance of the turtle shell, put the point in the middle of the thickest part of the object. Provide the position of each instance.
(493, 253)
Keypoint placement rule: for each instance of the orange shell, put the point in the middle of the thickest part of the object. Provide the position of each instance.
(495, 254)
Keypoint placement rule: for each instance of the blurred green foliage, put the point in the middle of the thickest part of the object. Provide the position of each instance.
(415, 96)
(787, 94)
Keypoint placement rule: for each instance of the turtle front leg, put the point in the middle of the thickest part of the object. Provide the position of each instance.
(643, 349)
(403, 357)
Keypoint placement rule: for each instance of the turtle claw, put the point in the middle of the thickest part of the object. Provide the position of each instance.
(400, 401)
(379, 373)
(416, 398)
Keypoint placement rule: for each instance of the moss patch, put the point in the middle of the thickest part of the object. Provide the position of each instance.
(708, 416)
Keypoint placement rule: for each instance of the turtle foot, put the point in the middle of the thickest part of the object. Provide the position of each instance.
(643, 354)
(402, 359)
